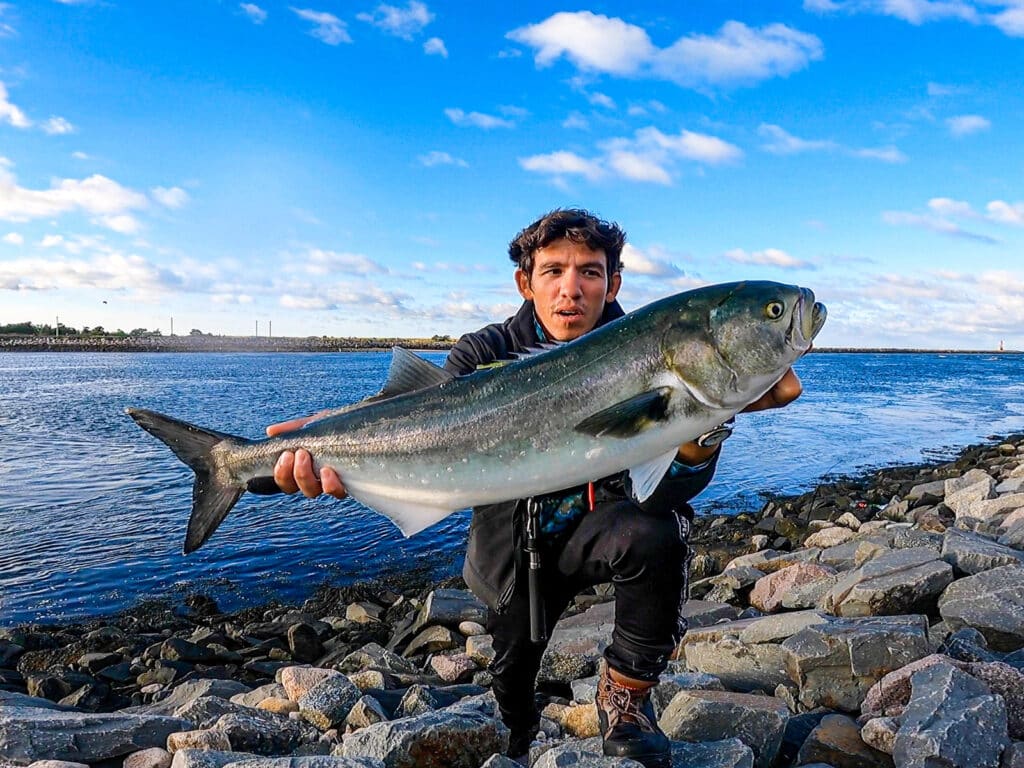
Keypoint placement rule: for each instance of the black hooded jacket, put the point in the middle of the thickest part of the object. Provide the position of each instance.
(494, 551)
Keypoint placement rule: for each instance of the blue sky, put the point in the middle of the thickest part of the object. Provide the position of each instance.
(358, 168)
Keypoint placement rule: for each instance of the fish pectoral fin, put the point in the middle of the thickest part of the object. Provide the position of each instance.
(646, 478)
(410, 517)
(629, 417)
(409, 373)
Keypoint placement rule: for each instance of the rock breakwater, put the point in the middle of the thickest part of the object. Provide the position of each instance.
(876, 621)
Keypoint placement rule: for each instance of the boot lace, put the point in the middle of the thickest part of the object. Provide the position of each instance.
(624, 704)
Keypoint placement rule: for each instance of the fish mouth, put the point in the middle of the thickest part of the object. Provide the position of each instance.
(808, 319)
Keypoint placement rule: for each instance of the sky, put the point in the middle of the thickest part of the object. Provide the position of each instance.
(358, 168)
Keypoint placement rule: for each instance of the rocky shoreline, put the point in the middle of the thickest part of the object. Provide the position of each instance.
(875, 621)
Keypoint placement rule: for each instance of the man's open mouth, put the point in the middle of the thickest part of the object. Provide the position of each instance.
(569, 312)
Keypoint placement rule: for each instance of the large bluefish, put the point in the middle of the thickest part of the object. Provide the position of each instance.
(624, 396)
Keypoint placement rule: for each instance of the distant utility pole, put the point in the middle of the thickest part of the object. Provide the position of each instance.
(58, 326)
(257, 329)
(270, 328)
(172, 326)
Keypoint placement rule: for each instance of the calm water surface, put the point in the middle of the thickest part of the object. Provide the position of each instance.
(93, 510)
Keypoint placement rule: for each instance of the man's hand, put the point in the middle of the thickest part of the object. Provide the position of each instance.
(294, 471)
(786, 390)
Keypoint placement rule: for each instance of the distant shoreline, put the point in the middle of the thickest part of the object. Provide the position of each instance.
(14, 343)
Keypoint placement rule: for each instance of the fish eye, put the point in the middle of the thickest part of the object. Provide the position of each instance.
(773, 310)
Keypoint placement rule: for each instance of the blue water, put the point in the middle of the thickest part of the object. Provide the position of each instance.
(93, 510)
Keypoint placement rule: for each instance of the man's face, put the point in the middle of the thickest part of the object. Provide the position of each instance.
(569, 287)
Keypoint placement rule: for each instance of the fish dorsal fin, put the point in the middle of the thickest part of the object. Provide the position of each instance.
(409, 373)
(410, 517)
(647, 477)
(539, 349)
(630, 417)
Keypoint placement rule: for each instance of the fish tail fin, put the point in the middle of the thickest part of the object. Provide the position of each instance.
(212, 495)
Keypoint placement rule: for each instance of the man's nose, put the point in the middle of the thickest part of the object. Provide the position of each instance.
(571, 284)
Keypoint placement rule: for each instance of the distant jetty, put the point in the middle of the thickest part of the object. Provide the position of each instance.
(212, 343)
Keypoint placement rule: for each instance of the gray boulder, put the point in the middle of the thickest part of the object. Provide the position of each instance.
(971, 553)
(207, 758)
(264, 733)
(308, 761)
(188, 692)
(951, 719)
(327, 703)
(29, 734)
(835, 664)
(669, 684)
(757, 721)
(992, 602)
(587, 753)
(897, 582)
(836, 741)
(373, 656)
(440, 739)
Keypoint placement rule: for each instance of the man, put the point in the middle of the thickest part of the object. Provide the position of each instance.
(568, 273)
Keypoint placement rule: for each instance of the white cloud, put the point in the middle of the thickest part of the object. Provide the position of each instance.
(638, 167)
(11, 114)
(592, 42)
(965, 125)
(601, 100)
(96, 194)
(477, 119)
(736, 55)
(511, 110)
(1006, 213)
(945, 206)
(256, 14)
(170, 197)
(938, 224)
(436, 157)
(648, 156)
(400, 22)
(781, 142)
(562, 164)
(57, 126)
(124, 223)
(768, 257)
(889, 154)
(575, 120)
(435, 47)
(320, 262)
(690, 145)
(79, 155)
(114, 271)
(1005, 15)
(944, 89)
(14, 238)
(636, 262)
(327, 27)
(6, 30)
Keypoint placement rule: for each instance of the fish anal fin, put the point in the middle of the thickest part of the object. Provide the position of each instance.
(629, 417)
(647, 477)
(410, 517)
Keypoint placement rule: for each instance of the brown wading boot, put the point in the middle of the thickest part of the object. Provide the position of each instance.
(626, 718)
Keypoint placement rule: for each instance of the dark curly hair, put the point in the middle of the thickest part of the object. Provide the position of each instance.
(575, 224)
